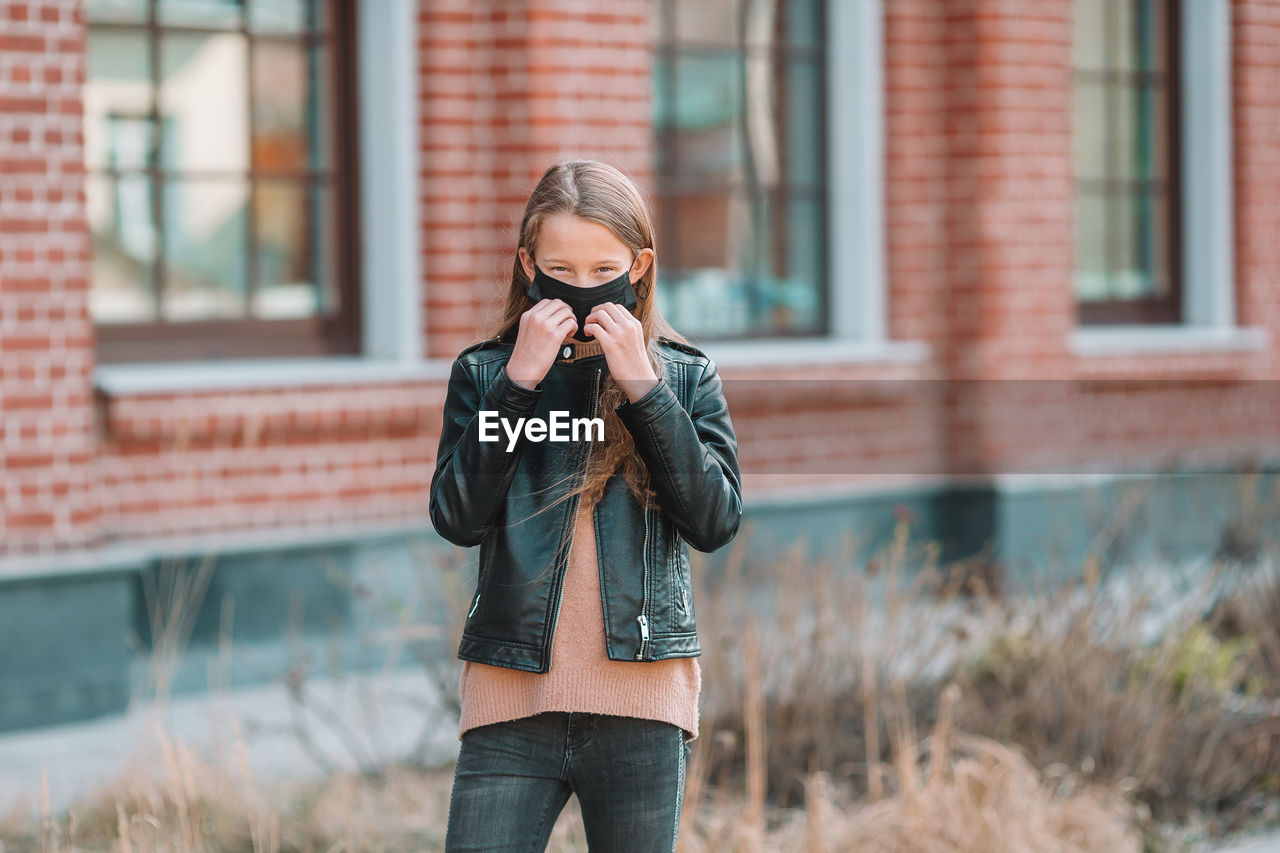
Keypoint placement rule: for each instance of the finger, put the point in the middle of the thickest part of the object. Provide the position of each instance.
(539, 310)
(611, 323)
(548, 306)
(607, 323)
(595, 331)
(601, 312)
(553, 315)
(620, 314)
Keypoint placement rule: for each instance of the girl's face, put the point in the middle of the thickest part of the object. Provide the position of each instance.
(583, 253)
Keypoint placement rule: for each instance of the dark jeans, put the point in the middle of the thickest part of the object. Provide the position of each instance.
(513, 779)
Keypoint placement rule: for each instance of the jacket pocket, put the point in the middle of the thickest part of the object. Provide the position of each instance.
(679, 591)
(473, 613)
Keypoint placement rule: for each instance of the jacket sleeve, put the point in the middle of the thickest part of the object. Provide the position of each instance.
(692, 458)
(472, 477)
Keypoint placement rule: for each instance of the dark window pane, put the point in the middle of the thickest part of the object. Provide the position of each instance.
(1156, 219)
(713, 230)
(116, 11)
(205, 249)
(288, 110)
(1139, 232)
(705, 265)
(1122, 146)
(802, 21)
(324, 251)
(789, 282)
(217, 135)
(739, 155)
(707, 139)
(741, 267)
(1140, 39)
(203, 99)
(124, 247)
(282, 16)
(762, 162)
(1130, 278)
(1089, 132)
(117, 101)
(1091, 247)
(663, 114)
(1154, 106)
(707, 21)
(1142, 133)
(776, 23)
(201, 13)
(1154, 47)
(291, 268)
(1127, 152)
(801, 116)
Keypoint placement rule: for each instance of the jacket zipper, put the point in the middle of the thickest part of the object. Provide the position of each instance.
(577, 505)
(676, 581)
(643, 619)
(474, 605)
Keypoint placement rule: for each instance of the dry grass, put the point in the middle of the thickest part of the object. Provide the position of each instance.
(949, 792)
(1054, 724)
(1187, 724)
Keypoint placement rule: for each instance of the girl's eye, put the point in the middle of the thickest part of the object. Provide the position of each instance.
(604, 269)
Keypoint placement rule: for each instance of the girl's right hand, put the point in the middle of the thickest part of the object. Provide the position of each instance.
(542, 329)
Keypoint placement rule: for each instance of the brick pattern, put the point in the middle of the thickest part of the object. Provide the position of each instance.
(216, 462)
(48, 498)
(979, 213)
(1256, 128)
(507, 89)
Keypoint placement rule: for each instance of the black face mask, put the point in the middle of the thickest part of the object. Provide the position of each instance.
(583, 299)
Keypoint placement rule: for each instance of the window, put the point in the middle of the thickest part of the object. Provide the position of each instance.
(219, 149)
(1126, 150)
(739, 90)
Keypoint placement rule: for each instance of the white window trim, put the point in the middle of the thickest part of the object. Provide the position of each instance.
(391, 274)
(1208, 211)
(855, 244)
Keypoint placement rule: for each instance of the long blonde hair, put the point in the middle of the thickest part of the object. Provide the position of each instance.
(599, 193)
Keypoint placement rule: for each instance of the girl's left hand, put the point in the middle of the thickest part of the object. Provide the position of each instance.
(622, 338)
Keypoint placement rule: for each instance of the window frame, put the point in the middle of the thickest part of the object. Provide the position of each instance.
(856, 237)
(391, 281)
(778, 196)
(336, 333)
(1208, 214)
(1166, 307)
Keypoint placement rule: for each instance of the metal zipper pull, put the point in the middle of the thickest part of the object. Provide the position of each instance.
(644, 635)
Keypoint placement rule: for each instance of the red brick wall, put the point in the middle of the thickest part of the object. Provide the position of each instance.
(1256, 51)
(507, 89)
(321, 455)
(48, 494)
(979, 216)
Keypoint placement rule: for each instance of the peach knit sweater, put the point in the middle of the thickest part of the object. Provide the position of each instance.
(582, 677)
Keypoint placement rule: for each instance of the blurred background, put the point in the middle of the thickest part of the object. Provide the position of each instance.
(994, 289)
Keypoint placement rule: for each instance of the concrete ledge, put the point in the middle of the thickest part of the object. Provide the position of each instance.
(814, 351)
(175, 377)
(1165, 340)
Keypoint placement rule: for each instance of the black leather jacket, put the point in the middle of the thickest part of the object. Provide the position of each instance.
(481, 494)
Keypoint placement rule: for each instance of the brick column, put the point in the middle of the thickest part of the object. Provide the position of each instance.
(1010, 304)
(1256, 108)
(47, 454)
(507, 88)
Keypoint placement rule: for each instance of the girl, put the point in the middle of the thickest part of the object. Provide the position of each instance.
(580, 670)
